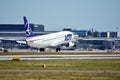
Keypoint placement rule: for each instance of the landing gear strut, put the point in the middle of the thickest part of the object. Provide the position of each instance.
(58, 49)
(42, 50)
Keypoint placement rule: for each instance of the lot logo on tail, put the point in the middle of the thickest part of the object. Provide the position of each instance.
(29, 32)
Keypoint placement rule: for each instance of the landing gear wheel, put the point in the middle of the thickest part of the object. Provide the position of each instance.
(58, 49)
(42, 50)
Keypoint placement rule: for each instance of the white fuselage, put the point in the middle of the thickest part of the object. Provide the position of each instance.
(50, 40)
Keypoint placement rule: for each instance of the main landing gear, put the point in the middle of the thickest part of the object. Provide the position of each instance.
(42, 49)
(58, 49)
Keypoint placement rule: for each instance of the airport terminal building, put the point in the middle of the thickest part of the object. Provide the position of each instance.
(16, 32)
(20, 27)
(97, 41)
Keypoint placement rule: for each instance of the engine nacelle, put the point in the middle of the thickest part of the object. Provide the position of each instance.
(70, 44)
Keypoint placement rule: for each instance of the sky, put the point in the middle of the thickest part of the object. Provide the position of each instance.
(101, 15)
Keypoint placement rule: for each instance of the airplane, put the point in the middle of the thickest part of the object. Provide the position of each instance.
(49, 40)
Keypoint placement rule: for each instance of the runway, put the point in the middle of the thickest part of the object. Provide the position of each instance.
(47, 57)
(66, 71)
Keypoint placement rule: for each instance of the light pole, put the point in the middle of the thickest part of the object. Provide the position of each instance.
(117, 28)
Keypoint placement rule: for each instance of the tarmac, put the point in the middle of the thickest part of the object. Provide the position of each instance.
(66, 71)
(48, 57)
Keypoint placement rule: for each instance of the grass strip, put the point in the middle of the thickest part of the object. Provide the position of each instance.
(67, 64)
(54, 53)
(58, 76)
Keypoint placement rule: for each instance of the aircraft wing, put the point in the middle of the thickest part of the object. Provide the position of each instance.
(21, 41)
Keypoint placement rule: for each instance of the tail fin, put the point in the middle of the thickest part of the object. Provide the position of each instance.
(29, 32)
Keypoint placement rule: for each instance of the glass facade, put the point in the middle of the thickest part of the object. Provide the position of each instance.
(113, 34)
(20, 27)
(80, 33)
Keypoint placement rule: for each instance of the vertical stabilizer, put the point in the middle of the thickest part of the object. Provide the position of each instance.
(28, 30)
